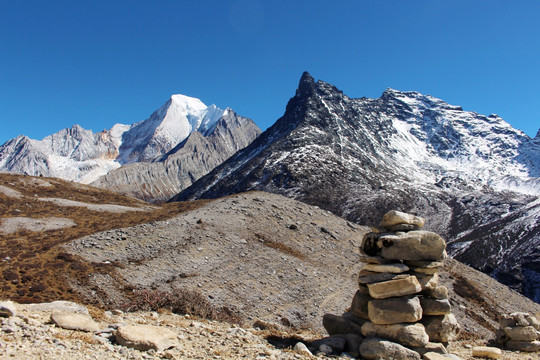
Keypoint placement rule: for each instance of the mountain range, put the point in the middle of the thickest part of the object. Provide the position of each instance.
(475, 177)
(183, 130)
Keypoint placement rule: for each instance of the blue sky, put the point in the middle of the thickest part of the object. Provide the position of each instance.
(97, 63)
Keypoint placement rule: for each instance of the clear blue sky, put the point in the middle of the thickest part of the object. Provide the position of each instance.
(97, 63)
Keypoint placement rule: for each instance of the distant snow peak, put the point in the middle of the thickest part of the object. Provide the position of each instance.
(168, 126)
(81, 155)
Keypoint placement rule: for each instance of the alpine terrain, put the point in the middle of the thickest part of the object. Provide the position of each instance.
(180, 142)
(475, 177)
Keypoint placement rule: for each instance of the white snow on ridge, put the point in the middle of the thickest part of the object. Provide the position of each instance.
(480, 148)
(80, 155)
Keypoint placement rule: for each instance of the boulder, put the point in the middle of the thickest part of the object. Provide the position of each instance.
(486, 352)
(393, 288)
(412, 246)
(443, 328)
(335, 324)
(62, 306)
(410, 335)
(393, 268)
(527, 346)
(359, 306)
(7, 309)
(145, 337)
(393, 218)
(375, 348)
(522, 333)
(395, 310)
(435, 306)
(74, 321)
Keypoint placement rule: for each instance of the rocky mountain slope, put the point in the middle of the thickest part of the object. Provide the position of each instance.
(159, 180)
(262, 256)
(361, 157)
(39, 214)
(267, 258)
(80, 155)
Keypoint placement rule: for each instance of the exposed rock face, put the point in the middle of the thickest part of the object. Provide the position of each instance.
(77, 154)
(194, 157)
(407, 151)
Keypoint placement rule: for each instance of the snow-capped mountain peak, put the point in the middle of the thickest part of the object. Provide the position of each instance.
(81, 155)
(166, 127)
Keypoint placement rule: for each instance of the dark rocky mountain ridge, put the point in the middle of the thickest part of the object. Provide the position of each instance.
(473, 176)
(194, 157)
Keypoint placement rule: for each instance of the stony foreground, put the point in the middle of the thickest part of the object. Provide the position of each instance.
(30, 334)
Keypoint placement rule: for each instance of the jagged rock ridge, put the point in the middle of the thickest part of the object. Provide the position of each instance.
(80, 155)
(194, 157)
(407, 151)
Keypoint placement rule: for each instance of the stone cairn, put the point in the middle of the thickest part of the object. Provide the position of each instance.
(399, 311)
(519, 331)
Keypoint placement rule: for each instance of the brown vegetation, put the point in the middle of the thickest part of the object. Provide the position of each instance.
(32, 266)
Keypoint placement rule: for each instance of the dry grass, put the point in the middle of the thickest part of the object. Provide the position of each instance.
(181, 301)
(32, 266)
(280, 247)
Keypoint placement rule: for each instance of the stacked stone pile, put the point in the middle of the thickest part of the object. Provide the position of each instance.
(400, 310)
(519, 331)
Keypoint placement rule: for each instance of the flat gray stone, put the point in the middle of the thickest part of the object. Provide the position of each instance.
(376, 348)
(146, 337)
(393, 268)
(395, 310)
(75, 321)
(369, 277)
(393, 288)
(410, 335)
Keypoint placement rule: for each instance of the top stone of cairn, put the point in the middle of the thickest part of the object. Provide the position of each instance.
(397, 219)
